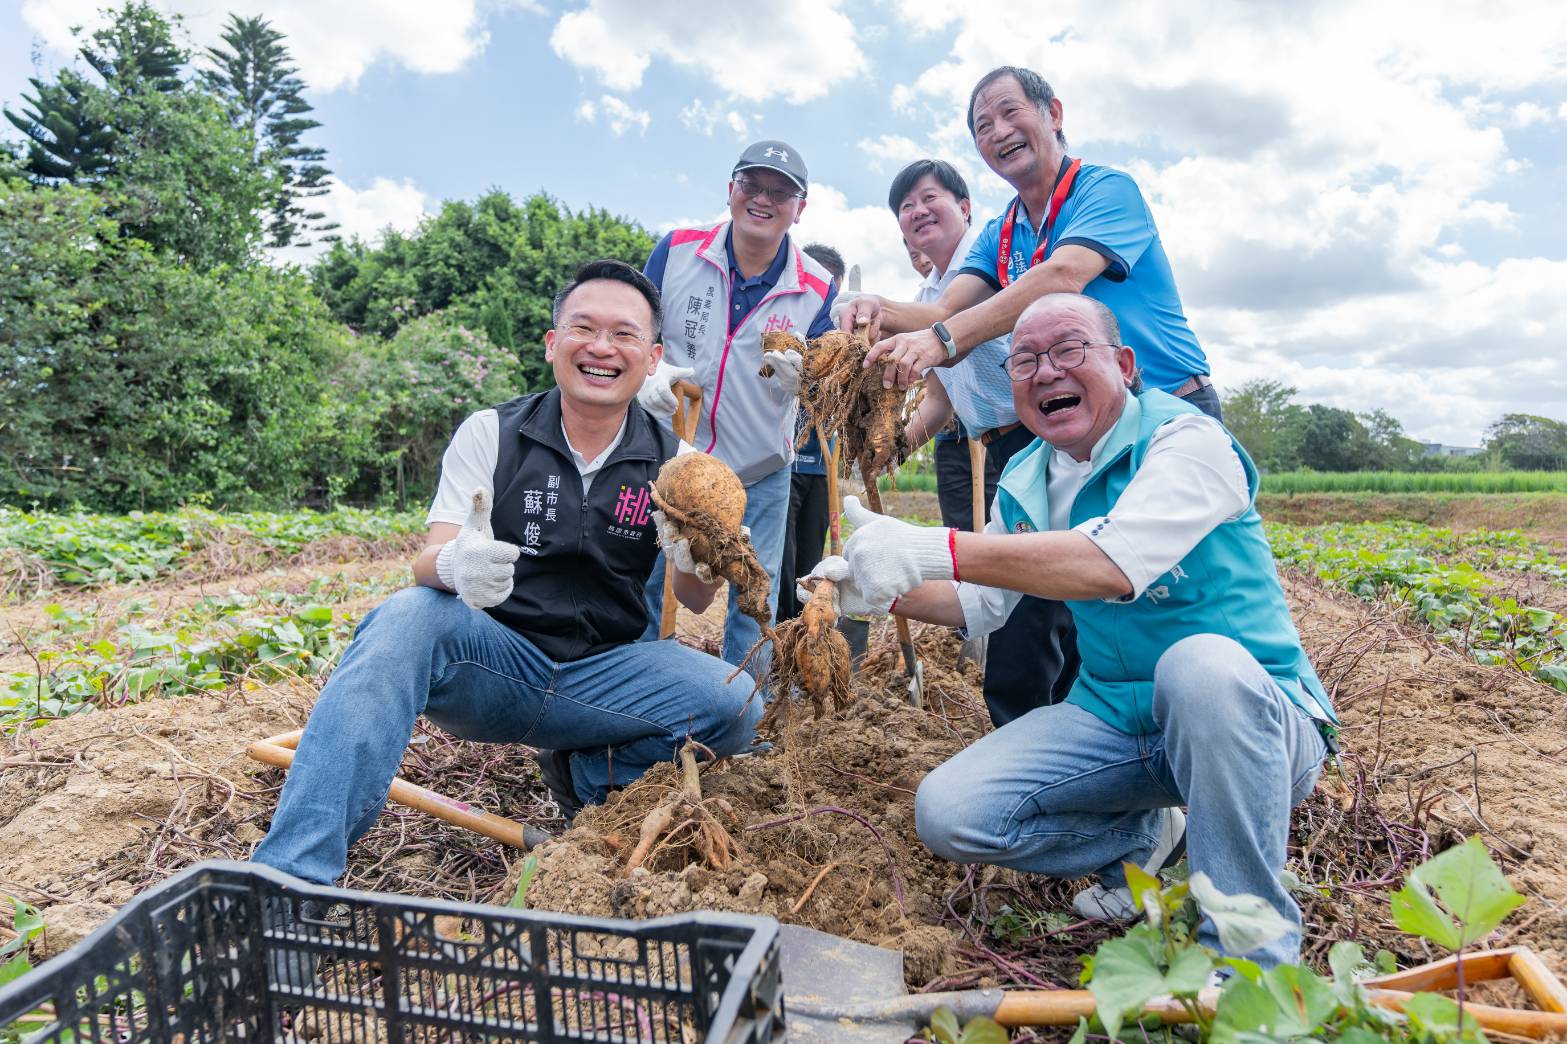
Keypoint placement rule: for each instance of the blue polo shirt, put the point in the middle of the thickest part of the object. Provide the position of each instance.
(1106, 213)
(745, 294)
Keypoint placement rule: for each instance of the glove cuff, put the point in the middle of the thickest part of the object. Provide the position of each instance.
(937, 554)
(443, 564)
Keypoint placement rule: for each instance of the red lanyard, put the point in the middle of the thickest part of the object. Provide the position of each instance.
(1004, 249)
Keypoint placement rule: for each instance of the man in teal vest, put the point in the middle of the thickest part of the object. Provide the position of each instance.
(1137, 510)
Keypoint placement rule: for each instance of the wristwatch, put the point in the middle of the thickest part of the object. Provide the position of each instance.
(940, 329)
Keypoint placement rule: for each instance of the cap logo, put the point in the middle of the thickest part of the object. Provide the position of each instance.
(783, 156)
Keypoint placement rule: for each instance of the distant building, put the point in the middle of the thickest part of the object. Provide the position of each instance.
(1437, 449)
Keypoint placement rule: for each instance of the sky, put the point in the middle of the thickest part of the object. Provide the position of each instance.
(1361, 200)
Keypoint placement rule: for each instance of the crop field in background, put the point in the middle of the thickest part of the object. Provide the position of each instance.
(1415, 482)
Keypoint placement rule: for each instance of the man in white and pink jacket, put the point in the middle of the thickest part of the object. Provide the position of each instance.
(722, 288)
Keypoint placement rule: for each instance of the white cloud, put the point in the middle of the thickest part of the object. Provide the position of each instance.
(366, 213)
(798, 52)
(333, 41)
(704, 118)
(1314, 171)
(622, 117)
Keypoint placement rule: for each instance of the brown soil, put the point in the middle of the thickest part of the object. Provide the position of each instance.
(1436, 748)
(791, 828)
(97, 807)
(1542, 514)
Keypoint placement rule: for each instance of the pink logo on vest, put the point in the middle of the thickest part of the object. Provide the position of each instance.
(632, 507)
(778, 322)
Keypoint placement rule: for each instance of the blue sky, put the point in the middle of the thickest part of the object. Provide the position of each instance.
(1366, 211)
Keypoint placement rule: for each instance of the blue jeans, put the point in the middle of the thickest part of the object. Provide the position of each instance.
(1060, 792)
(767, 516)
(425, 652)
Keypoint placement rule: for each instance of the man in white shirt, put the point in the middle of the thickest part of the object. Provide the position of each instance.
(522, 625)
(1032, 658)
(1137, 510)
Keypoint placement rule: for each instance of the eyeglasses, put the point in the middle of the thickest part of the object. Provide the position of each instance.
(577, 333)
(750, 187)
(1064, 355)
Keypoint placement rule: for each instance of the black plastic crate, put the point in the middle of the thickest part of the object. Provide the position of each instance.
(196, 959)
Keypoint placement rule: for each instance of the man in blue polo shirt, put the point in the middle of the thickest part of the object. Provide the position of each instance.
(723, 286)
(1073, 227)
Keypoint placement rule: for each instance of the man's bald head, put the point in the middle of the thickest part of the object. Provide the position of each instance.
(1109, 329)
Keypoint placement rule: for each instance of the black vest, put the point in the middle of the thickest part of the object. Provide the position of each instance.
(583, 566)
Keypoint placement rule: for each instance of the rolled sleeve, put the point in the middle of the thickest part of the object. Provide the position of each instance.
(1190, 482)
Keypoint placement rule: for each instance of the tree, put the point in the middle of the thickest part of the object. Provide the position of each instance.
(136, 52)
(67, 136)
(131, 380)
(493, 264)
(1334, 440)
(1529, 442)
(254, 74)
(1395, 451)
(1264, 418)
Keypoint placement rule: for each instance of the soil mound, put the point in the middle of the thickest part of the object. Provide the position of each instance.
(822, 828)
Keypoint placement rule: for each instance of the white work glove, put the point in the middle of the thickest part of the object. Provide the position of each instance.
(657, 394)
(846, 597)
(785, 369)
(889, 558)
(476, 565)
(677, 548)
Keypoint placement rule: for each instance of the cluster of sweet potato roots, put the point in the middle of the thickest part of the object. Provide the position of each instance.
(845, 400)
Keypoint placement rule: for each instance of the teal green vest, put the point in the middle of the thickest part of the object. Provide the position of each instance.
(1226, 585)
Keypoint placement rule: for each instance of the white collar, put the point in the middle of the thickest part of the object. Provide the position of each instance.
(938, 280)
(583, 464)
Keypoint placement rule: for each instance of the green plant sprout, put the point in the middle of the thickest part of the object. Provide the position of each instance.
(1451, 900)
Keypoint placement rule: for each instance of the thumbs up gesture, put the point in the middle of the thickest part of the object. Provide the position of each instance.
(476, 565)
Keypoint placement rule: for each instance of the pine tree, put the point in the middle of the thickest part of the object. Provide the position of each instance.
(69, 124)
(66, 139)
(255, 75)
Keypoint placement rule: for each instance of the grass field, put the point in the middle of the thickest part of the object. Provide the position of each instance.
(1415, 482)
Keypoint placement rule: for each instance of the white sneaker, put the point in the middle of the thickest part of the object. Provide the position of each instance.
(1116, 904)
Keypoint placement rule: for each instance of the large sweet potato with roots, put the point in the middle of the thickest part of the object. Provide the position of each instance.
(705, 499)
(846, 400)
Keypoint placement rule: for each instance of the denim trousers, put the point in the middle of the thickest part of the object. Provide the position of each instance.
(767, 516)
(1060, 792)
(423, 651)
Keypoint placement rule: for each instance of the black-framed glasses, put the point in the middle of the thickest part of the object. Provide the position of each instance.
(1064, 355)
(750, 187)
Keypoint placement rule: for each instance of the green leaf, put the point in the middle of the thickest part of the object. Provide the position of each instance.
(1305, 999)
(1244, 922)
(1437, 1015)
(1474, 897)
(1080, 1035)
(944, 1025)
(1126, 976)
(15, 968)
(1140, 882)
(1188, 972)
(320, 615)
(1244, 1007)
(1346, 959)
(983, 1030)
(530, 869)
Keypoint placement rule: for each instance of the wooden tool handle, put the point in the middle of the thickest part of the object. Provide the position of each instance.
(279, 751)
(688, 414)
(976, 465)
(830, 465)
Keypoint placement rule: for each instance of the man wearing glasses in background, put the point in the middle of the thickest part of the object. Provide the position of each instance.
(723, 287)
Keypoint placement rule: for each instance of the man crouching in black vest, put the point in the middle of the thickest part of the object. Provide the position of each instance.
(523, 627)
